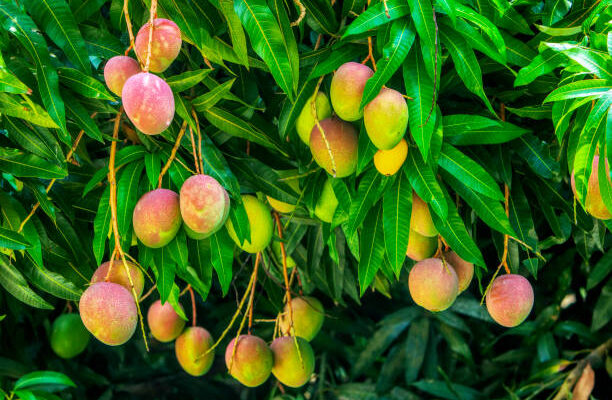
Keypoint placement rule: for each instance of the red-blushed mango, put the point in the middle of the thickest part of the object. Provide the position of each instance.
(464, 269)
(260, 222)
(346, 89)
(165, 45)
(117, 70)
(109, 312)
(594, 203)
(420, 217)
(305, 121)
(205, 204)
(388, 162)
(281, 206)
(433, 285)
(157, 217)
(69, 337)
(251, 363)
(341, 141)
(308, 316)
(148, 102)
(191, 349)
(386, 119)
(327, 203)
(420, 247)
(165, 324)
(509, 299)
(119, 275)
(288, 368)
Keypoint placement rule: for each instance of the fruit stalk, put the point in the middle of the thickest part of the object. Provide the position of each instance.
(172, 154)
(128, 22)
(199, 132)
(152, 15)
(193, 306)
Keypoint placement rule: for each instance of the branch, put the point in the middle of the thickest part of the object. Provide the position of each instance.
(172, 154)
(152, 14)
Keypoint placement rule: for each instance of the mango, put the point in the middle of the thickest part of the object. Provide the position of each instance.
(288, 368)
(433, 285)
(69, 337)
(281, 206)
(420, 247)
(148, 102)
(165, 324)
(509, 300)
(308, 317)
(327, 202)
(305, 121)
(165, 46)
(157, 217)
(118, 275)
(260, 222)
(386, 119)
(117, 70)
(340, 139)
(190, 349)
(252, 361)
(388, 162)
(204, 204)
(346, 90)
(464, 269)
(420, 218)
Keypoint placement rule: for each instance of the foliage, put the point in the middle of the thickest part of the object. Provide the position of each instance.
(536, 110)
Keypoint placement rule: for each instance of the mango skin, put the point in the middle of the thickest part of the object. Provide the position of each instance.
(464, 269)
(190, 348)
(433, 285)
(420, 218)
(118, 275)
(305, 122)
(510, 300)
(165, 46)
(420, 247)
(194, 235)
(308, 317)
(327, 203)
(346, 90)
(157, 217)
(594, 203)
(288, 368)
(69, 337)
(117, 70)
(165, 324)
(108, 311)
(148, 102)
(388, 162)
(204, 203)
(343, 144)
(281, 206)
(386, 118)
(260, 222)
(253, 360)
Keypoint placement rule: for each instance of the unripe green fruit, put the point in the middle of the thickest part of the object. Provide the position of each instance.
(464, 269)
(204, 204)
(509, 300)
(157, 217)
(260, 222)
(288, 368)
(279, 254)
(305, 122)
(433, 285)
(191, 350)
(386, 119)
(69, 337)
(327, 203)
(420, 218)
(165, 46)
(420, 247)
(593, 203)
(347, 88)
(165, 324)
(308, 316)
(251, 363)
(119, 276)
(109, 312)
(281, 206)
(341, 141)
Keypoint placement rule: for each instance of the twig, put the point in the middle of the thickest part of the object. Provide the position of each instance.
(197, 121)
(370, 54)
(148, 293)
(302, 12)
(126, 12)
(250, 307)
(193, 148)
(152, 14)
(386, 9)
(172, 154)
(193, 306)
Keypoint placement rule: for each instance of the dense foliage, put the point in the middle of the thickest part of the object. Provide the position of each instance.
(509, 102)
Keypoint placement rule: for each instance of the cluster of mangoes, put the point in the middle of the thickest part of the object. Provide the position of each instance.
(147, 99)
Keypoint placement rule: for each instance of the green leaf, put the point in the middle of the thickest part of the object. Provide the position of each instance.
(463, 129)
(375, 16)
(13, 282)
(600, 271)
(465, 62)
(541, 64)
(469, 172)
(551, 31)
(291, 110)
(23, 165)
(456, 235)
(222, 255)
(522, 222)
(532, 112)
(200, 260)
(101, 226)
(12, 240)
(83, 84)
(78, 113)
(43, 199)
(187, 80)
(602, 314)
(332, 61)
(164, 273)
(267, 40)
(421, 108)
(416, 346)
(370, 189)
(9, 83)
(57, 21)
(153, 167)
(211, 98)
(49, 381)
(424, 183)
(178, 250)
(13, 214)
(280, 13)
(485, 24)
(395, 51)
(588, 87)
(532, 150)
(31, 112)
(236, 31)
(127, 196)
(50, 281)
(40, 142)
(422, 15)
(598, 63)
(397, 207)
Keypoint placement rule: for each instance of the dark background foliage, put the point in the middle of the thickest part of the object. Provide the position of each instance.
(545, 63)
